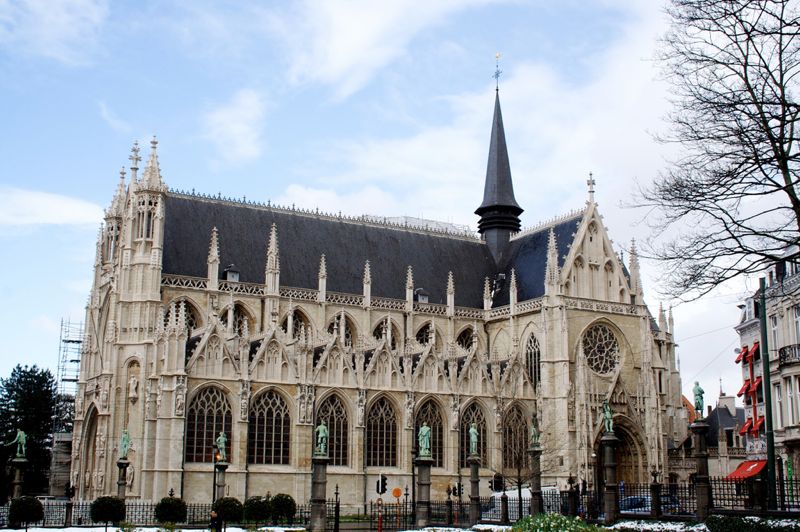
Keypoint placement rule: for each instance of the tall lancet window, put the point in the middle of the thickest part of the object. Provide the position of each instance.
(429, 413)
(145, 217)
(382, 435)
(299, 321)
(112, 241)
(333, 412)
(348, 329)
(515, 439)
(209, 414)
(533, 359)
(473, 414)
(268, 430)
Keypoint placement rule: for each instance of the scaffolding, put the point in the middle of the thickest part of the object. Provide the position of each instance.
(69, 356)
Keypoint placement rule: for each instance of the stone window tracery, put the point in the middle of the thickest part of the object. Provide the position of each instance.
(382, 435)
(515, 439)
(209, 414)
(377, 333)
(425, 334)
(533, 359)
(601, 349)
(298, 320)
(333, 412)
(240, 318)
(268, 431)
(465, 338)
(145, 212)
(192, 317)
(348, 330)
(429, 413)
(473, 414)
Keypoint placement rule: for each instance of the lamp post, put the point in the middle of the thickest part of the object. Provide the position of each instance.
(216, 458)
(414, 482)
(771, 502)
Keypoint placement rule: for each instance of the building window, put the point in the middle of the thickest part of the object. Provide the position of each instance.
(429, 413)
(601, 349)
(515, 440)
(533, 358)
(790, 401)
(241, 320)
(773, 325)
(381, 330)
(381, 435)
(348, 330)
(209, 414)
(465, 339)
(425, 334)
(778, 405)
(796, 309)
(472, 414)
(333, 412)
(191, 319)
(268, 430)
(299, 321)
(729, 437)
(144, 218)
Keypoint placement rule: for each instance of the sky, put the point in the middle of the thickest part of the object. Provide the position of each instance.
(358, 106)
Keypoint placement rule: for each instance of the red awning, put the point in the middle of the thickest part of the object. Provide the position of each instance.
(742, 354)
(755, 385)
(752, 352)
(746, 426)
(757, 425)
(744, 388)
(747, 469)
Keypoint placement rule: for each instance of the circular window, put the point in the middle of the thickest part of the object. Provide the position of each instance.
(601, 349)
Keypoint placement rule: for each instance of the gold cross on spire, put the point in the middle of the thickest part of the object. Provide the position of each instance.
(497, 70)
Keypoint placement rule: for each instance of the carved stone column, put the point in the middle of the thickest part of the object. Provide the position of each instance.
(474, 489)
(702, 486)
(423, 491)
(537, 503)
(319, 484)
(220, 487)
(20, 463)
(610, 495)
(122, 465)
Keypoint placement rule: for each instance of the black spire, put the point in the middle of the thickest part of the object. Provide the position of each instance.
(499, 211)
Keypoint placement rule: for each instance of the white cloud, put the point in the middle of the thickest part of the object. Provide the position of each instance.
(43, 323)
(236, 127)
(110, 118)
(64, 30)
(32, 207)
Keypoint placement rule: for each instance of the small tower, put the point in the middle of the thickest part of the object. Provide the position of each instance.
(367, 286)
(322, 280)
(551, 273)
(637, 294)
(499, 210)
(213, 261)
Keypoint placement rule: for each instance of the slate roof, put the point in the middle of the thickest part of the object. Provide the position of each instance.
(498, 189)
(303, 238)
(527, 255)
(721, 417)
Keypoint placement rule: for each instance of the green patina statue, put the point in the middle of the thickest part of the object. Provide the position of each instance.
(20, 440)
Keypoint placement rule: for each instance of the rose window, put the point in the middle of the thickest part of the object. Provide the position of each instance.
(601, 349)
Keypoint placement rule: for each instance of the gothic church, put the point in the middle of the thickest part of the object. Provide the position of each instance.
(212, 315)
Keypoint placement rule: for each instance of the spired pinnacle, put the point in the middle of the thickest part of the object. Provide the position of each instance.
(591, 183)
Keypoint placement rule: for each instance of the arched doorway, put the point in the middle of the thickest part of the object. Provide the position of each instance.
(630, 455)
(87, 474)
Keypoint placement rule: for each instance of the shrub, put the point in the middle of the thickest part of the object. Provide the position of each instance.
(24, 511)
(256, 509)
(107, 510)
(283, 507)
(171, 510)
(229, 509)
(553, 523)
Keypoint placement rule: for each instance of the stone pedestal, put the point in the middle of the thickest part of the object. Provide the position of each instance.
(423, 491)
(655, 500)
(219, 489)
(537, 502)
(122, 465)
(20, 463)
(702, 486)
(319, 484)
(610, 494)
(474, 462)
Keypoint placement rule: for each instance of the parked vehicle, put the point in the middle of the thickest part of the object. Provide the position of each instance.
(642, 504)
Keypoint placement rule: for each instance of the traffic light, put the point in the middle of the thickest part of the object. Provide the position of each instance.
(382, 489)
(497, 482)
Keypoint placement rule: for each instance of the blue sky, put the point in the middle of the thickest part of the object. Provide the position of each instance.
(365, 107)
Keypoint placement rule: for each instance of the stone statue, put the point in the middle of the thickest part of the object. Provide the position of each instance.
(534, 435)
(222, 441)
(424, 440)
(124, 445)
(322, 439)
(608, 417)
(133, 388)
(20, 440)
(698, 399)
(473, 439)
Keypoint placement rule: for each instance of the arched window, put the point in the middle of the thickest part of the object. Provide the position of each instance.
(425, 334)
(240, 318)
(378, 333)
(473, 414)
(298, 320)
(601, 349)
(192, 320)
(333, 412)
(382, 435)
(533, 359)
(515, 439)
(465, 339)
(209, 414)
(429, 413)
(268, 430)
(348, 329)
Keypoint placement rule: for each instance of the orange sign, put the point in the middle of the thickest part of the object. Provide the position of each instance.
(396, 493)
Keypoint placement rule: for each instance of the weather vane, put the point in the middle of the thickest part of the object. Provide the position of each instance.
(497, 70)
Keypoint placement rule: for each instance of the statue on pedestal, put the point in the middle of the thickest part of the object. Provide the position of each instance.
(424, 440)
(124, 445)
(534, 434)
(322, 439)
(20, 440)
(222, 442)
(608, 417)
(698, 399)
(473, 439)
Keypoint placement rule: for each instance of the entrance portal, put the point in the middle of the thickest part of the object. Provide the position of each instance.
(630, 457)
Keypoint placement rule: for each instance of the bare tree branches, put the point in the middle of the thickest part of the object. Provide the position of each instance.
(729, 205)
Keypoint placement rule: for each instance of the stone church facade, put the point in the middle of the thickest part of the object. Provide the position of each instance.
(212, 315)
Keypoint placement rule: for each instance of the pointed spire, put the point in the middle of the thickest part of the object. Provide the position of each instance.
(213, 261)
(512, 289)
(135, 159)
(152, 173)
(636, 279)
(487, 294)
(662, 318)
(499, 210)
(551, 272)
(671, 322)
(591, 183)
(451, 288)
(323, 268)
(272, 269)
(367, 286)
(367, 274)
(322, 280)
(409, 289)
(117, 208)
(451, 295)
(409, 278)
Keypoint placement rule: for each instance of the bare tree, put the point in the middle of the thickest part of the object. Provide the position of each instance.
(729, 204)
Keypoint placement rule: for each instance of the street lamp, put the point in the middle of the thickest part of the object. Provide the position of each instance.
(217, 456)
